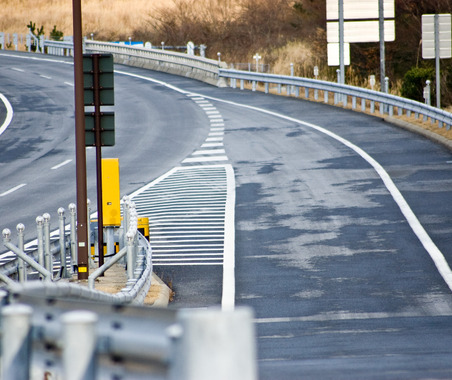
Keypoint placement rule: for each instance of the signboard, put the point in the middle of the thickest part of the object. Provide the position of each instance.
(359, 9)
(360, 31)
(333, 54)
(444, 36)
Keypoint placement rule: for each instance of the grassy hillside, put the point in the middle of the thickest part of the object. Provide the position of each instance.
(108, 19)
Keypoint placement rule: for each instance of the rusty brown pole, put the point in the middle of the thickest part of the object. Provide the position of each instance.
(80, 153)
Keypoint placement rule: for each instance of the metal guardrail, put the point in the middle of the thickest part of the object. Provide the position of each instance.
(47, 336)
(387, 102)
(48, 259)
(212, 71)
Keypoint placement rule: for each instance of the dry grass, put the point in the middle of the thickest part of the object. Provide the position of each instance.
(107, 19)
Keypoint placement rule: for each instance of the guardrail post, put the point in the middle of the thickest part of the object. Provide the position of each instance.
(125, 217)
(39, 225)
(47, 254)
(16, 342)
(88, 242)
(21, 245)
(130, 261)
(62, 241)
(79, 345)
(266, 87)
(74, 260)
(325, 96)
(214, 344)
(363, 104)
(242, 84)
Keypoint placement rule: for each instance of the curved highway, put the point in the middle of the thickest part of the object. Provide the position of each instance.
(342, 220)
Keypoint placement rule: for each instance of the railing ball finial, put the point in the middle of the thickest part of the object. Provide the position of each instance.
(20, 228)
(6, 233)
(72, 207)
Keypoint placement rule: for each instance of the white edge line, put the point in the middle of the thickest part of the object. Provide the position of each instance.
(9, 113)
(228, 296)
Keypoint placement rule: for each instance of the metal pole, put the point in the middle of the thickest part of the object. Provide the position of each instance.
(16, 342)
(72, 209)
(80, 152)
(47, 255)
(341, 42)
(79, 345)
(382, 44)
(437, 57)
(40, 226)
(62, 239)
(21, 245)
(97, 127)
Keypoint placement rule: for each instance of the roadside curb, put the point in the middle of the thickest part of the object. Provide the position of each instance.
(159, 293)
(419, 130)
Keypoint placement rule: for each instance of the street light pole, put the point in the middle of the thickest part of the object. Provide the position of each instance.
(80, 153)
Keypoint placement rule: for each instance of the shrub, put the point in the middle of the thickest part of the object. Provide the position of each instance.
(414, 82)
(56, 35)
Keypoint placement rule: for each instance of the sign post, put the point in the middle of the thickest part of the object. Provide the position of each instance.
(80, 153)
(437, 43)
(99, 91)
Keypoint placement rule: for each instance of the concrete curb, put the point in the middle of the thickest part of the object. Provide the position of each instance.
(419, 130)
(159, 294)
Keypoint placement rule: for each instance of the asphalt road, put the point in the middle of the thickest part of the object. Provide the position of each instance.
(340, 277)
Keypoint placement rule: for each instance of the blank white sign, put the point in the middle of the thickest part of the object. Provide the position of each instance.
(359, 9)
(428, 36)
(360, 31)
(333, 54)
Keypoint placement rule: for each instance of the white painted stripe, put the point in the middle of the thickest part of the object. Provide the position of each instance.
(228, 296)
(214, 139)
(211, 145)
(217, 129)
(69, 84)
(190, 259)
(45, 76)
(354, 316)
(13, 189)
(205, 159)
(209, 108)
(60, 165)
(216, 124)
(17, 69)
(9, 113)
(435, 254)
(185, 264)
(211, 113)
(211, 151)
(216, 134)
